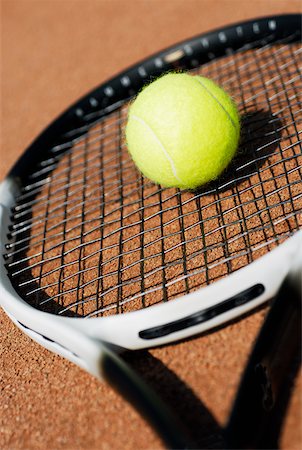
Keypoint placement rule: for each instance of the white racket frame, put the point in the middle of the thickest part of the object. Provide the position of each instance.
(82, 340)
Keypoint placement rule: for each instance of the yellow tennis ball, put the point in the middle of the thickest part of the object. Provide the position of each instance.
(182, 130)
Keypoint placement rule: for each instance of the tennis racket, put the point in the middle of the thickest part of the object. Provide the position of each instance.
(97, 259)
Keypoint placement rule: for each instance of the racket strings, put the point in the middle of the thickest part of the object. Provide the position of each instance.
(290, 137)
(253, 90)
(181, 216)
(20, 227)
(289, 184)
(92, 237)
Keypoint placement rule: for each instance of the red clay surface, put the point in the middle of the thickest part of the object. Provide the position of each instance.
(53, 52)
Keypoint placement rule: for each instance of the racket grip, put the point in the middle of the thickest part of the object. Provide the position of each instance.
(259, 408)
(132, 388)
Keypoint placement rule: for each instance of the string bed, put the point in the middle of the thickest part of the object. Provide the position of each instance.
(91, 237)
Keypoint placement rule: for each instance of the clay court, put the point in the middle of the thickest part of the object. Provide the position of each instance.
(53, 52)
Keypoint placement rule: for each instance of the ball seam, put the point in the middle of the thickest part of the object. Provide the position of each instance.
(216, 99)
(146, 125)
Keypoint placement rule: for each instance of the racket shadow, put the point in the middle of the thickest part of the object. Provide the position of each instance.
(177, 395)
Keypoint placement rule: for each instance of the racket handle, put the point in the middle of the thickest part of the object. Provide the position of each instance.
(264, 391)
(132, 387)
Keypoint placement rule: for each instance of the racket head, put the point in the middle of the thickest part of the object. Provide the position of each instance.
(105, 108)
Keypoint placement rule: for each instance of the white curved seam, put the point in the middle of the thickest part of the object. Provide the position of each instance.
(140, 120)
(215, 98)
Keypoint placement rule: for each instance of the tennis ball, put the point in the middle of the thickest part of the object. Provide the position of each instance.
(182, 130)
